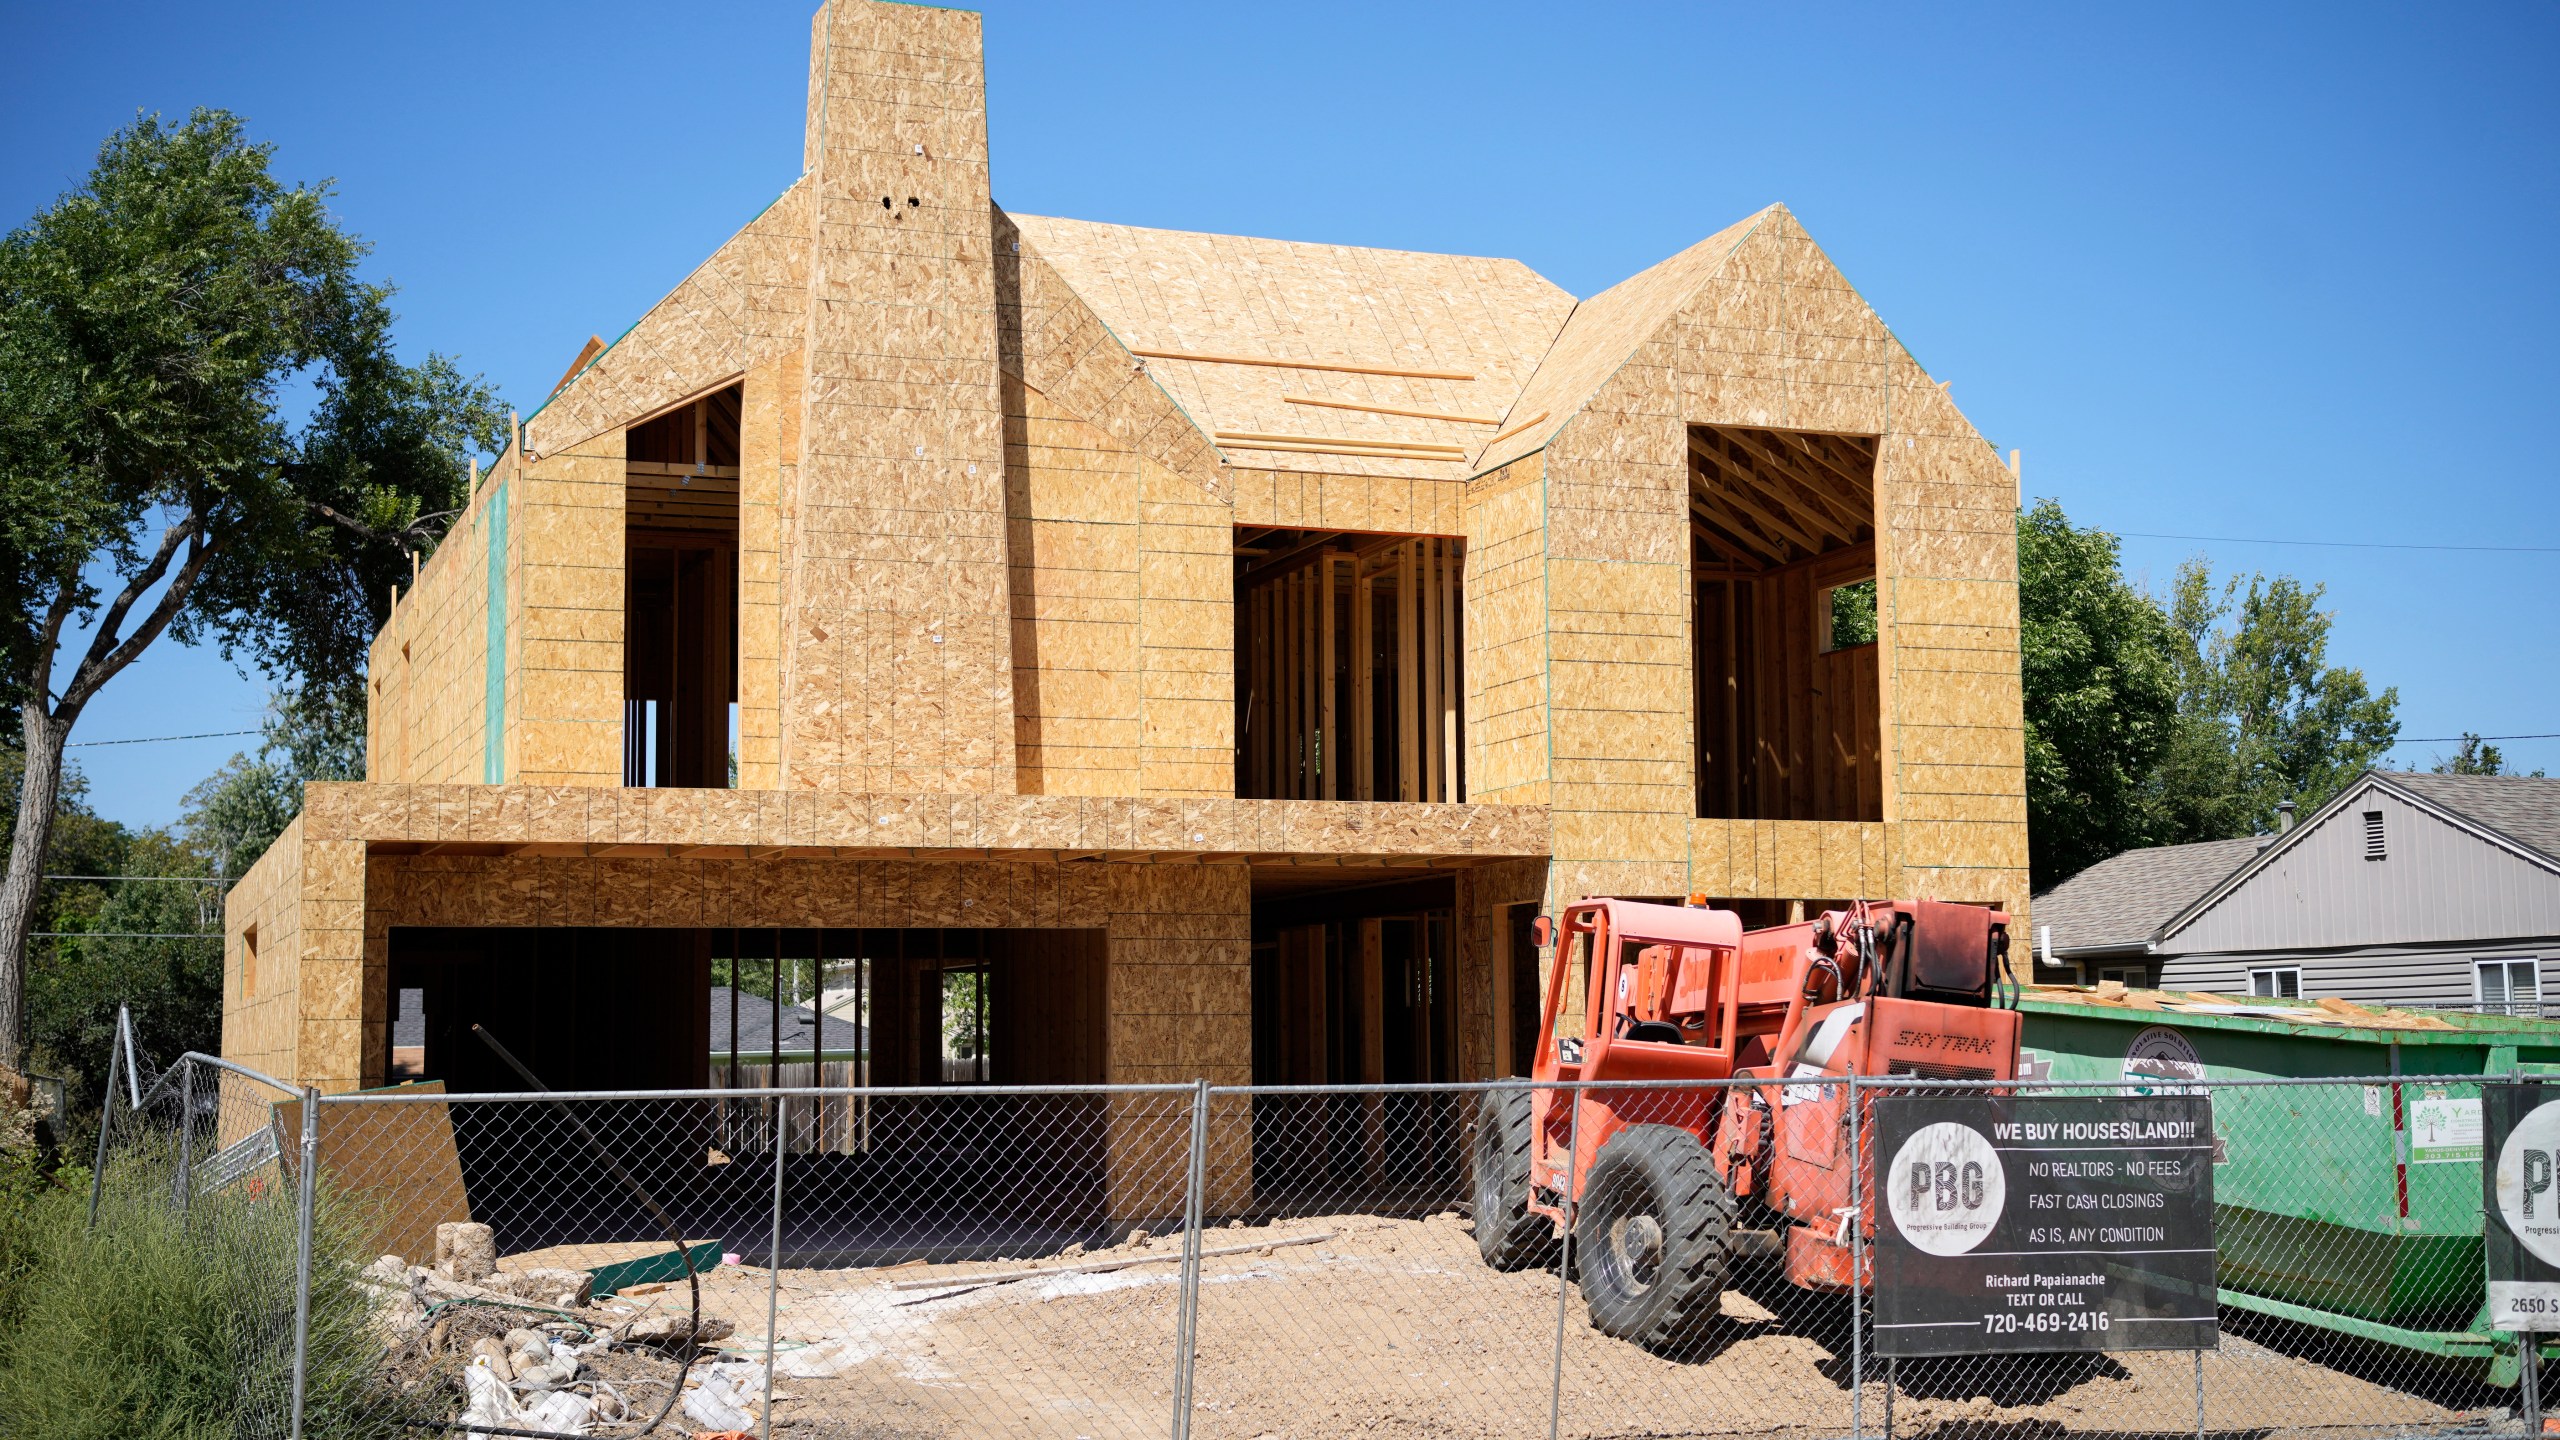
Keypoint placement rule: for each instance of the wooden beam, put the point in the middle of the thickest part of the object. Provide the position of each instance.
(1392, 410)
(1856, 473)
(1352, 441)
(1428, 631)
(1408, 702)
(1516, 429)
(1277, 363)
(593, 348)
(1328, 725)
(1746, 500)
(1811, 482)
(1373, 453)
(1739, 537)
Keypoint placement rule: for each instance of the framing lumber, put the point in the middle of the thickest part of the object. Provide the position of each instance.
(1516, 429)
(1721, 526)
(1277, 363)
(586, 352)
(1392, 410)
(1745, 498)
(1813, 485)
(1378, 454)
(1350, 440)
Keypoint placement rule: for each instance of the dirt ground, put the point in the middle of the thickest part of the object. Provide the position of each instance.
(1395, 1326)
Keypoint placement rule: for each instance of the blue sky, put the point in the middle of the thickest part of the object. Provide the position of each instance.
(2267, 272)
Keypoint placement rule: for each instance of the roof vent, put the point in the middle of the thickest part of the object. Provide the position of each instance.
(2284, 816)
(2373, 847)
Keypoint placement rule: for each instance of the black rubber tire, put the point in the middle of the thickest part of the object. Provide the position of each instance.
(1649, 1239)
(1507, 1235)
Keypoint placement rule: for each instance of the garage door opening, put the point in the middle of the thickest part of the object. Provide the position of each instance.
(956, 1012)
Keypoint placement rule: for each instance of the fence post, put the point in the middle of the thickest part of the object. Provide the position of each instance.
(106, 1125)
(1187, 1319)
(186, 1133)
(773, 1262)
(1857, 1275)
(302, 1256)
(1564, 1257)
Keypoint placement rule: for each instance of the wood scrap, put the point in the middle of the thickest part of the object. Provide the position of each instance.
(958, 1284)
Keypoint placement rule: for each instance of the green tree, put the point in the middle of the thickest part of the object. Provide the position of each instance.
(2097, 660)
(2264, 717)
(2474, 756)
(133, 940)
(152, 479)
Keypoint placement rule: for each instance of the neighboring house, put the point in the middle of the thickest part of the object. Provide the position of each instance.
(1211, 651)
(2405, 889)
(2097, 925)
(804, 1034)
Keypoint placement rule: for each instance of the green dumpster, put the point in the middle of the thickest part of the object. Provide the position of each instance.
(2355, 1208)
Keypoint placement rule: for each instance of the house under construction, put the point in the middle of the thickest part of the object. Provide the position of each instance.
(1133, 655)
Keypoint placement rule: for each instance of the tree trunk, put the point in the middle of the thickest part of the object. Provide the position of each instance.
(38, 789)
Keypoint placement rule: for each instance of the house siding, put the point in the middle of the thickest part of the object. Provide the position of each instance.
(2430, 976)
(2439, 884)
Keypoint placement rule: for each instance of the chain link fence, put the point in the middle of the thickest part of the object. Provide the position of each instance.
(1250, 1263)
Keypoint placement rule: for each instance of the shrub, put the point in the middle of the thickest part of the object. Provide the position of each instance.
(159, 1324)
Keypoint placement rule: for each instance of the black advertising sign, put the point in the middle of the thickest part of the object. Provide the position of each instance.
(2522, 1196)
(2006, 1223)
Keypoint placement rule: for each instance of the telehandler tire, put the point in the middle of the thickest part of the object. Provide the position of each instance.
(1649, 1239)
(1507, 1235)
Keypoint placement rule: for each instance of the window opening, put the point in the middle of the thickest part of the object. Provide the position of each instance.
(1848, 615)
(2276, 982)
(680, 595)
(1783, 624)
(1350, 680)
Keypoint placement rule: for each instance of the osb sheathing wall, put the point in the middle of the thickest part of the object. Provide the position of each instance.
(1755, 327)
(425, 707)
(897, 669)
(564, 680)
(768, 475)
(262, 997)
(1506, 633)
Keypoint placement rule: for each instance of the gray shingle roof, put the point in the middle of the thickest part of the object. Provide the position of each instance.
(2524, 808)
(755, 1027)
(2117, 903)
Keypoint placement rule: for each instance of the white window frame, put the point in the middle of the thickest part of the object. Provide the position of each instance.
(2275, 982)
(2129, 976)
(2507, 1003)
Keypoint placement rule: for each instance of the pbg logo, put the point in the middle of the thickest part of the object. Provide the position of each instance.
(1945, 1188)
(2528, 1197)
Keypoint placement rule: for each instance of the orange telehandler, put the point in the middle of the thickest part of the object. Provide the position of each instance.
(1659, 1177)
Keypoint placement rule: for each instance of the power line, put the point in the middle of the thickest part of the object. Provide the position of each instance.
(156, 739)
(2458, 739)
(2345, 544)
(125, 935)
(193, 879)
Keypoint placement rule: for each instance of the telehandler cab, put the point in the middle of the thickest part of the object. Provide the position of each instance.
(1670, 993)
